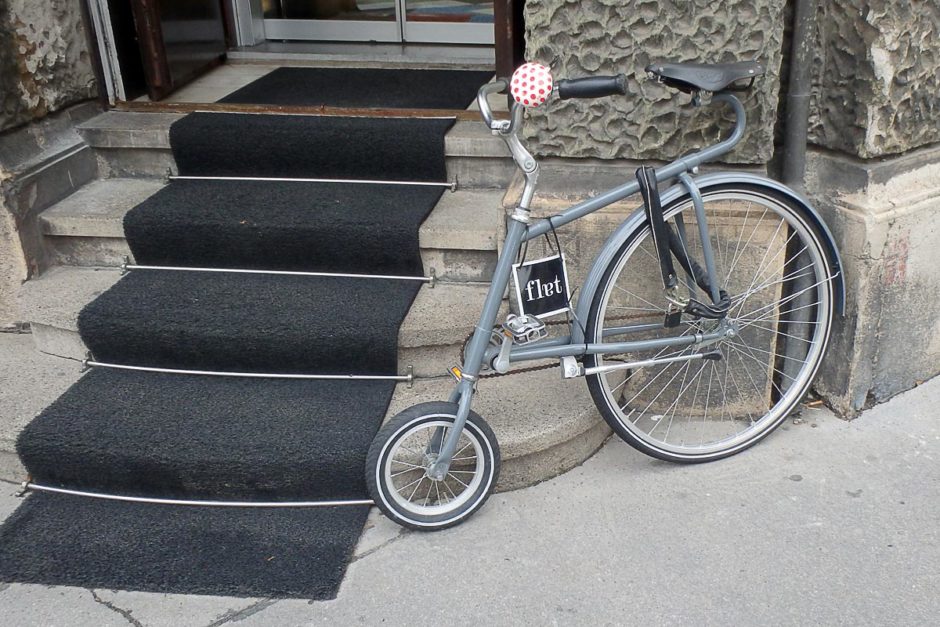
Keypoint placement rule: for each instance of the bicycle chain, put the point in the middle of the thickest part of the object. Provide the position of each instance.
(493, 375)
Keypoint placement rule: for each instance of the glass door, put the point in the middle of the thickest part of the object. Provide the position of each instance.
(448, 21)
(418, 21)
(332, 20)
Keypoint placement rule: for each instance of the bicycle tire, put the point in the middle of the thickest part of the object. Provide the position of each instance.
(781, 338)
(468, 494)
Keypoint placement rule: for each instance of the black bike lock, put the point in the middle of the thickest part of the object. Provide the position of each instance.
(646, 176)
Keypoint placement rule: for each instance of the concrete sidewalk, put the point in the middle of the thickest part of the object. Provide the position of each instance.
(825, 522)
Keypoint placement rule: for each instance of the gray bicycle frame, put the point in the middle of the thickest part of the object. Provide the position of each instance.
(520, 230)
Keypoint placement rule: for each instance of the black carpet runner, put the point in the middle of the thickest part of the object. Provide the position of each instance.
(204, 437)
(345, 87)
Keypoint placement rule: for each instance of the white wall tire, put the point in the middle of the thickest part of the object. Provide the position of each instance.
(402, 451)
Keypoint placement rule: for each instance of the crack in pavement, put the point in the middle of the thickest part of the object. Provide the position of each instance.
(111, 606)
(234, 616)
(402, 532)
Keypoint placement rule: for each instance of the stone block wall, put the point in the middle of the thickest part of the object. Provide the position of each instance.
(877, 79)
(874, 172)
(45, 63)
(45, 67)
(885, 215)
(585, 37)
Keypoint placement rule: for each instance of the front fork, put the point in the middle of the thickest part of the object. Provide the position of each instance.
(476, 349)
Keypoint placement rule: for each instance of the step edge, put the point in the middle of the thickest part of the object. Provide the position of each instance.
(527, 470)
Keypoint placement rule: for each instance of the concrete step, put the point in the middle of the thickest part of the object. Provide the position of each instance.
(31, 382)
(86, 229)
(129, 144)
(430, 337)
(51, 303)
(476, 158)
(545, 425)
(458, 240)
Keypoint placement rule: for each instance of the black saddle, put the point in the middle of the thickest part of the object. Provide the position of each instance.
(690, 77)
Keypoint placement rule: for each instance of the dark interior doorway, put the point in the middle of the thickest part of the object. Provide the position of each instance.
(128, 49)
(178, 41)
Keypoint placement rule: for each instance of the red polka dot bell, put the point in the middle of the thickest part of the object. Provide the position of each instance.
(531, 84)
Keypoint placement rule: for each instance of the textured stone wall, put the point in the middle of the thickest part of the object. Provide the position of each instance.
(44, 59)
(584, 37)
(877, 76)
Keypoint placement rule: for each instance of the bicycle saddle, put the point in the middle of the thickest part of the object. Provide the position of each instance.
(689, 77)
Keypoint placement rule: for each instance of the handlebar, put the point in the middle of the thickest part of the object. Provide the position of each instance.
(496, 87)
(592, 87)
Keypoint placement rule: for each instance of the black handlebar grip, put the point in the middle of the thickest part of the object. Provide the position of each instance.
(592, 87)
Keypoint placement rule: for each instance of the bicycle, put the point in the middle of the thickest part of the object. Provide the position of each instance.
(718, 354)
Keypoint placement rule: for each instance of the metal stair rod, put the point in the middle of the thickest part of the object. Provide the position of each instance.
(29, 486)
(452, 185)
(90, 363)
(424, 279)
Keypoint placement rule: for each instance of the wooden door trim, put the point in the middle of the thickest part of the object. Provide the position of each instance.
(152, 50)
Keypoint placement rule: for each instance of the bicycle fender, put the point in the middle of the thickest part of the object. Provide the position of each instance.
(637, 219)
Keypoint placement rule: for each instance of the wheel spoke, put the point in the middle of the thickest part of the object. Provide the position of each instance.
(734, 262)
(398, 461)
(782, 301)
(416, 481)
(760, 266)
(451, 474)
(401, 472)
(675, 403)
(626, 291)
(793, 276)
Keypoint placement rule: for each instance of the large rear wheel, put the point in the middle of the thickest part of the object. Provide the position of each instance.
(773, 263)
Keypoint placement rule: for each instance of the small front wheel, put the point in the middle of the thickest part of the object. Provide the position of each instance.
(407, 446)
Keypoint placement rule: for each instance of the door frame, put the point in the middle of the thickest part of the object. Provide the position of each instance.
(100, 16)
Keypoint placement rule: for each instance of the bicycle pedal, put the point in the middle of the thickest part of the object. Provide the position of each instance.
(525, 329)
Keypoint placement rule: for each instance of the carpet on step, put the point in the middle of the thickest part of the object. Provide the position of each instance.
(302, 146)
(202, 437)
(329, 227)
(249, 322)
(53, 539)
(362, 87)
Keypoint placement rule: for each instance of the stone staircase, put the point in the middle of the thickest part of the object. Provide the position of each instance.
(545, 425)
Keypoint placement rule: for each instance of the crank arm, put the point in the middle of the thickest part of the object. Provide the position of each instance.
(646, 363)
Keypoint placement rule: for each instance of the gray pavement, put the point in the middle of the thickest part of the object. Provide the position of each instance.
(826, 522)
(29, 381)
